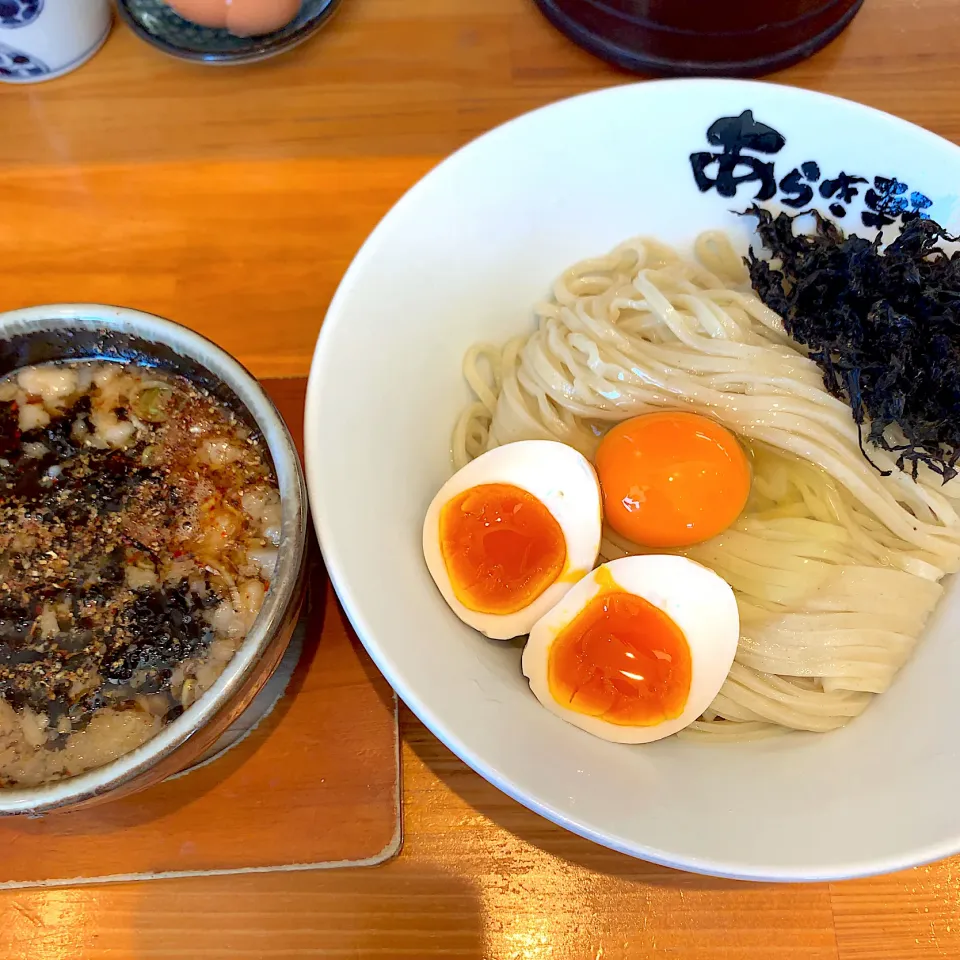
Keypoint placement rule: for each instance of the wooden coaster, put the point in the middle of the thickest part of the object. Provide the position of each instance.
(314, 784)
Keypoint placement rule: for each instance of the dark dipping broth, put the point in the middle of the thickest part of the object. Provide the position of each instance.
(139, 526)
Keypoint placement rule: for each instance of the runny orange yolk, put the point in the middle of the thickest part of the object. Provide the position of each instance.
(672, 479)
(623, 660)
(501, 546)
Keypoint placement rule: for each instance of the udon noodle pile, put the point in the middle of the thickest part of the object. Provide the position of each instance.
(836, 568)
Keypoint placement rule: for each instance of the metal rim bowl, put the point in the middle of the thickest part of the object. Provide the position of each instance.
(93, 331)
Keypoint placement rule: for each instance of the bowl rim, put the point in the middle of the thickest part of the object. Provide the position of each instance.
(313, 458)
(260, 48)
(35, 801)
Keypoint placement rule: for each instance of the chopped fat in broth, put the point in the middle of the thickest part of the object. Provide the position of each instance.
(139, 528)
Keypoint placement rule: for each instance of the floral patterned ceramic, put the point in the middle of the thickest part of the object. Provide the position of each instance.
(43, 39)
(155, 22)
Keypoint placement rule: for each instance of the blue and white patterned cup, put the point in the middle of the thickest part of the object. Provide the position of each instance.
(43, 39)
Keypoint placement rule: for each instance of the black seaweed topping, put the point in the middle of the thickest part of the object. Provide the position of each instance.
(129, 640)
(154, 633)
(160, 629)
(9, 427)
(90, 537)
(883, 325)
(101, 479)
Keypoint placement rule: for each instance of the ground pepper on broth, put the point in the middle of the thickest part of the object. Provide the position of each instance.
(139, 525)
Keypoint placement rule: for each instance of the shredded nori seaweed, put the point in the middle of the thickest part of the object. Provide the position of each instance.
(882, 323)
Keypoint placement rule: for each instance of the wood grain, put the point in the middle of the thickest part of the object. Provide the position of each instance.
(232, 200)
(419, 78)
(248, 252)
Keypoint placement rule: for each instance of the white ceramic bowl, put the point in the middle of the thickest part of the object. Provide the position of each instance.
(462, 258)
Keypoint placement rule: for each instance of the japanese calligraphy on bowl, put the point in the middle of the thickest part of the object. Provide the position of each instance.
(744, 156)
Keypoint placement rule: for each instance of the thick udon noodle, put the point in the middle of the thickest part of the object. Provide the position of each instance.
(835, 567)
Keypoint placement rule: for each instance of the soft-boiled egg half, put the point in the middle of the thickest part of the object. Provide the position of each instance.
(511, 532)
(636, 650)
(672, 478)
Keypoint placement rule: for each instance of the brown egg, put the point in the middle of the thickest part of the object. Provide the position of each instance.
(207, 13)
(247, 18)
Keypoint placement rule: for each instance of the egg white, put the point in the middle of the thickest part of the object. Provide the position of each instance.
(564, 481)
(698, 601)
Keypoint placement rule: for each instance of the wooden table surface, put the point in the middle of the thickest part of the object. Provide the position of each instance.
(232, 200)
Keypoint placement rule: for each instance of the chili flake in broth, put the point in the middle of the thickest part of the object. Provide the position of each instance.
(139, 525)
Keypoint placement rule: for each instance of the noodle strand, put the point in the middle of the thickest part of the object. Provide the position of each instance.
(834, 566)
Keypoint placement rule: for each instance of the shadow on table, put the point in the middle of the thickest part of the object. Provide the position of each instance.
(400, 910)
(535, 830)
